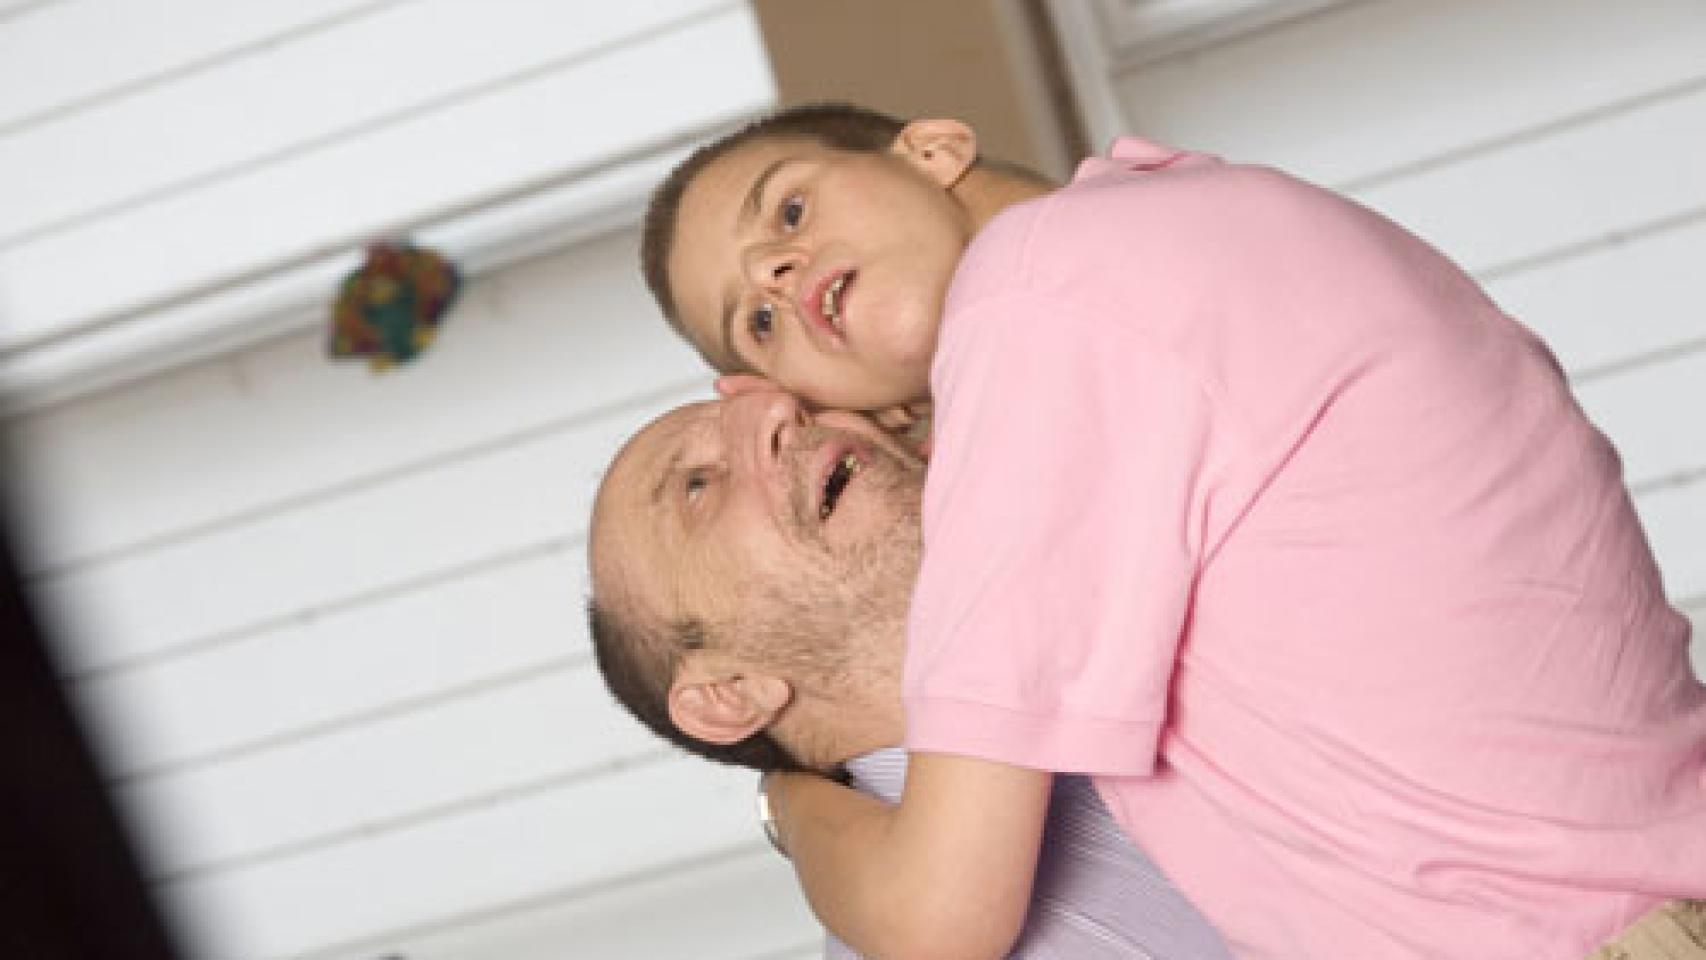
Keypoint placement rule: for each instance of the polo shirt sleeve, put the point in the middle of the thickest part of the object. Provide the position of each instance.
(1065, 520)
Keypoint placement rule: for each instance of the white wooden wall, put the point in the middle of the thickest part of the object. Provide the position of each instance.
(172, 171)
(1556, 148)
(329, 625)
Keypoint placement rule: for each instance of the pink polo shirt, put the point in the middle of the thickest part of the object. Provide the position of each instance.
(1253, 506)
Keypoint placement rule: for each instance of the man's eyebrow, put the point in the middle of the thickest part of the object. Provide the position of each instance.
(669, 471)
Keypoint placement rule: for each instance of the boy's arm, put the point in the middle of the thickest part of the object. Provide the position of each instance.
(945, 874)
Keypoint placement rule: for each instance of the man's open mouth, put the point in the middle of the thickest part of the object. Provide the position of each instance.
(839, 476)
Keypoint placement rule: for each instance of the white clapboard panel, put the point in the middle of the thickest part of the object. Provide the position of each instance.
(13, 10)
(1646, 412)
(479, 632)
(1376, 86)
(68, 53)
(1675, 520)
(342, 192)
(342, 547)
(744, 907)
(1615, 304)
(554, 729)
(1622, 172)
(1697, 616)
(322, 87)
(653, 818)
(559, 335)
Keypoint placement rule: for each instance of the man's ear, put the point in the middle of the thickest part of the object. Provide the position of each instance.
(943, 150)
(723, 707)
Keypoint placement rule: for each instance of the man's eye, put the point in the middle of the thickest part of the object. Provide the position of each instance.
(793, 211)
(762, 323)
(696, 484)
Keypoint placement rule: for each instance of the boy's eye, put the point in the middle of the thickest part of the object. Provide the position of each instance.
(793, 211)
(762, 323)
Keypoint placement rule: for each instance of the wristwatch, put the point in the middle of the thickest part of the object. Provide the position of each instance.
(767, 817)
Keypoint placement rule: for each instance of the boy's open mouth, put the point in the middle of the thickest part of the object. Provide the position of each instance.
(831, 300)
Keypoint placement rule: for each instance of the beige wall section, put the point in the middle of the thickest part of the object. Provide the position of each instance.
(988, 62)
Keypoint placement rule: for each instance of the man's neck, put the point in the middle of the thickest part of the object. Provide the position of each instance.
(824, 732)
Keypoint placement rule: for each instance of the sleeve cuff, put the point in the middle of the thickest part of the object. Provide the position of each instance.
(1058, 744)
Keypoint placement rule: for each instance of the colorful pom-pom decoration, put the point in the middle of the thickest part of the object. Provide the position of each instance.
(389, 309)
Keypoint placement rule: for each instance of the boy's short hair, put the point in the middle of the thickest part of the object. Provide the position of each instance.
(840, 126)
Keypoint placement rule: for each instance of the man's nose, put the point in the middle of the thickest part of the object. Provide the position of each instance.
(761, 423)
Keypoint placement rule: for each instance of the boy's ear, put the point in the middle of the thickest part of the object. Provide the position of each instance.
(712, 704)
(943, 150)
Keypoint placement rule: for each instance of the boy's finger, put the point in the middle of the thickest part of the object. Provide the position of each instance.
(735, 384)
(897, 419)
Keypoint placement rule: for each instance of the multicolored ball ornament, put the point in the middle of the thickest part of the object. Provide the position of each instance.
(389, 309)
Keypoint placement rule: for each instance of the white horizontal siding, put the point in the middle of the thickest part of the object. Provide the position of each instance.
(396, 61)
(1630, 407)
(419, 166)
(582, 838)
(1618, 303)
(709, 904)
(303, 669)
(401, 533)
(291, 428)
(329, 625)
(1373, 87)
(1561, 188)
(297, 659)
(122, 46)
(370, 776)
(14, 9)
(1697, 616)
(1675, 518)
(501, 625)
(1553, 148)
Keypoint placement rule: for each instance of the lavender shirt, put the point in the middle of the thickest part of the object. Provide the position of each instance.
(1096, 895)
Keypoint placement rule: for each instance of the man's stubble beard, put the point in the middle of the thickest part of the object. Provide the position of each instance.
(837, 623)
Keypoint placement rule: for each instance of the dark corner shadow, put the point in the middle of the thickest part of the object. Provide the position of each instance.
(71, 884)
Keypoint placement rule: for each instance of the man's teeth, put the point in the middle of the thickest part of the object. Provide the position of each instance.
(832, 298)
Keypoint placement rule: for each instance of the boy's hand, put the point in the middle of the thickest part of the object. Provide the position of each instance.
(910, 423)
(735, 384)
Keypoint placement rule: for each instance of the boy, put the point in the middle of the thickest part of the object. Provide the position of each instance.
(1244, 502)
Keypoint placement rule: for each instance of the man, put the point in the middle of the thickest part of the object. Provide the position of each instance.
(1252, 506)
(751, 571)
